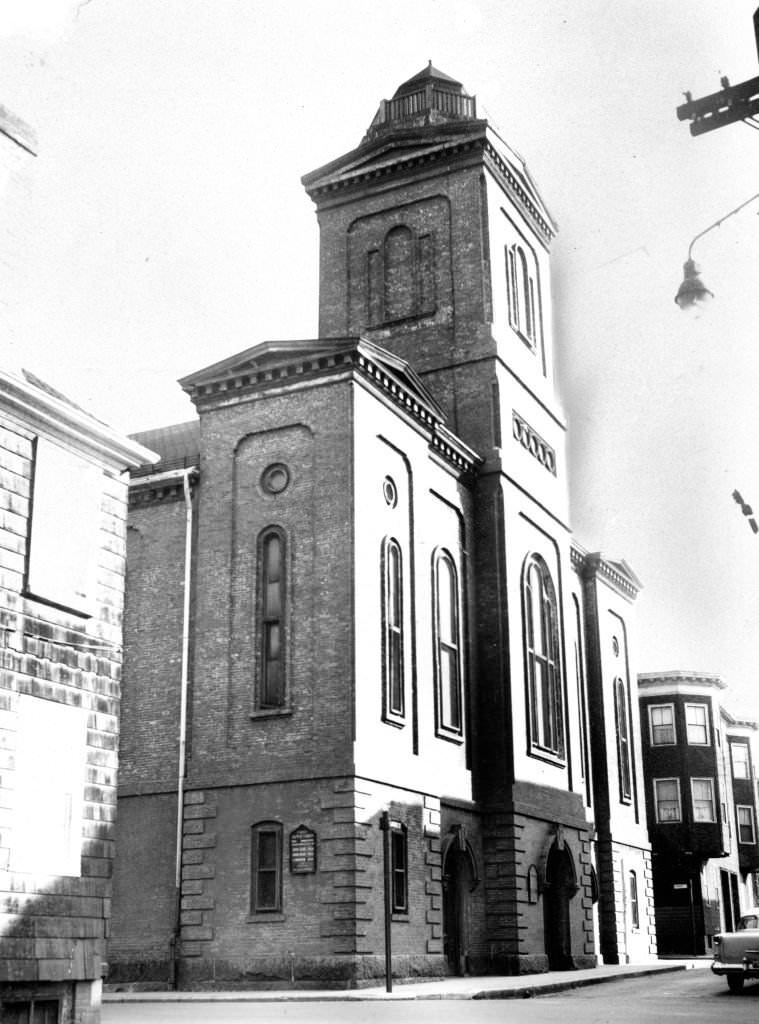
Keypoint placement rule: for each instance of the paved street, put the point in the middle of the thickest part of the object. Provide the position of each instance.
(695, 996)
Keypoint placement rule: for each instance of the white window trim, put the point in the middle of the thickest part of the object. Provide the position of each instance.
(703, 821)
(750, 809)
(668, 821)
(747, 762)
(688, 740)
(651, 725)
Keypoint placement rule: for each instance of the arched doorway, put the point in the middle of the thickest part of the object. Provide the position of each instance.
(560, 887)
(459, 878)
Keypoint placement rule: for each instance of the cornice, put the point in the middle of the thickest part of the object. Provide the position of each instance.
(43, 410)
(161, 488)
(595, 565)
(514, 187)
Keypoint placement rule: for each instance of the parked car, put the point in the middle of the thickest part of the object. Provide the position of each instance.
(736, 954)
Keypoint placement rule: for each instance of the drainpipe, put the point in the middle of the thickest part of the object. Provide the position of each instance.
(186, 478)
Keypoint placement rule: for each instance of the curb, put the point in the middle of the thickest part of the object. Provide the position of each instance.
(528, 991)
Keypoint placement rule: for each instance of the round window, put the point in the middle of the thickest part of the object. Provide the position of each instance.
(390, 491)
(275, 478)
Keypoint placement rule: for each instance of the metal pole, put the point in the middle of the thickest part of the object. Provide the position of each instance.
(385, 828)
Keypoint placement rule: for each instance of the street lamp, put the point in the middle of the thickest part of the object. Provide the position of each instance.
(693, 295)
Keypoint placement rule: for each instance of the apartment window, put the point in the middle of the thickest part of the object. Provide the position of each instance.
(661, 718)
(667, 800)
(696, 723)
(745, 815)
(739, 756)
(272, 632)
(546, 709)
(399, 869)
(64, 528)
(447, 645)
(392, 630)
(623, 741)
(521, 287)
(266, 867)
(702, 793)
(634, 908)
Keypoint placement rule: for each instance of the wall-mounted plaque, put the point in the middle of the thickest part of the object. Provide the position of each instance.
(302, 851)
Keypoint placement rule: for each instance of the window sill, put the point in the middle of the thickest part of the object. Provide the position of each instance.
(272, 712)
(400, 917)
(398, 723)
(541, 754)
(266, 917)
(451, 736)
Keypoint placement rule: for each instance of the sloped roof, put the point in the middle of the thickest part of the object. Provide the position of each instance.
(177, 444)
(428, 74)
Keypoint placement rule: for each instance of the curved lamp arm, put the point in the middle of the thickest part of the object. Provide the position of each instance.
(693, 293)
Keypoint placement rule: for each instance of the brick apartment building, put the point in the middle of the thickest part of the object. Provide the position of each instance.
(63, 498)
(356, 621)
(702, 809)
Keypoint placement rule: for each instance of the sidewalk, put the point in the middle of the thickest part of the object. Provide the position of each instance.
(513, 987)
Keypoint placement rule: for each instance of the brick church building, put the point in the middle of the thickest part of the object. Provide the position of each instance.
(358, 626)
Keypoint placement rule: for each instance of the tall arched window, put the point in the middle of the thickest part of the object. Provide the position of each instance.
(546, 705)
(521, 275)
(623, 741)
(392, 631)
(634, 905)
(272, 619)
(447, 645)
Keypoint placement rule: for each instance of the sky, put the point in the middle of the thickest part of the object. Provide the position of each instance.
(167, 229)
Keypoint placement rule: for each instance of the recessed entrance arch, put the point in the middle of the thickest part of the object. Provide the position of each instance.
(459, 879)
(560, 888)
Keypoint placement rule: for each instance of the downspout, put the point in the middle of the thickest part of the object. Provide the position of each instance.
(188, 473)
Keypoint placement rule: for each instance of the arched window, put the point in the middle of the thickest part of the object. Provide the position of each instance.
(546, 706)
(447, 645)
(634, 908)
(400, 282)
(521, 275)
(623, 741)
(272, 618)
(392, 631)
(266, 867)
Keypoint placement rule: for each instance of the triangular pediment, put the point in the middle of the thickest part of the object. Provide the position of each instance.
(402, 145)
(265, 355)
(319, 353)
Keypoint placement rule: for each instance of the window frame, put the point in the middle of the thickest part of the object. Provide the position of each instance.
(751, 823)
(690, 706)
(267, 620)
(449, 708)
(634, 900)
(712, 800)
(652, 726)
(734, 744)
(667, 821)
(399, 875)
(521, 288)
(393, 639)
(546, 732)
(257, 831)
(624, 758)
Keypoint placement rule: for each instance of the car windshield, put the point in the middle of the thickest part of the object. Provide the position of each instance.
(750, 921)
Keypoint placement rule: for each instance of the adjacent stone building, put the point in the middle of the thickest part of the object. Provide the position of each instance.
(62, 535)
(702, 809)
(357, 627)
